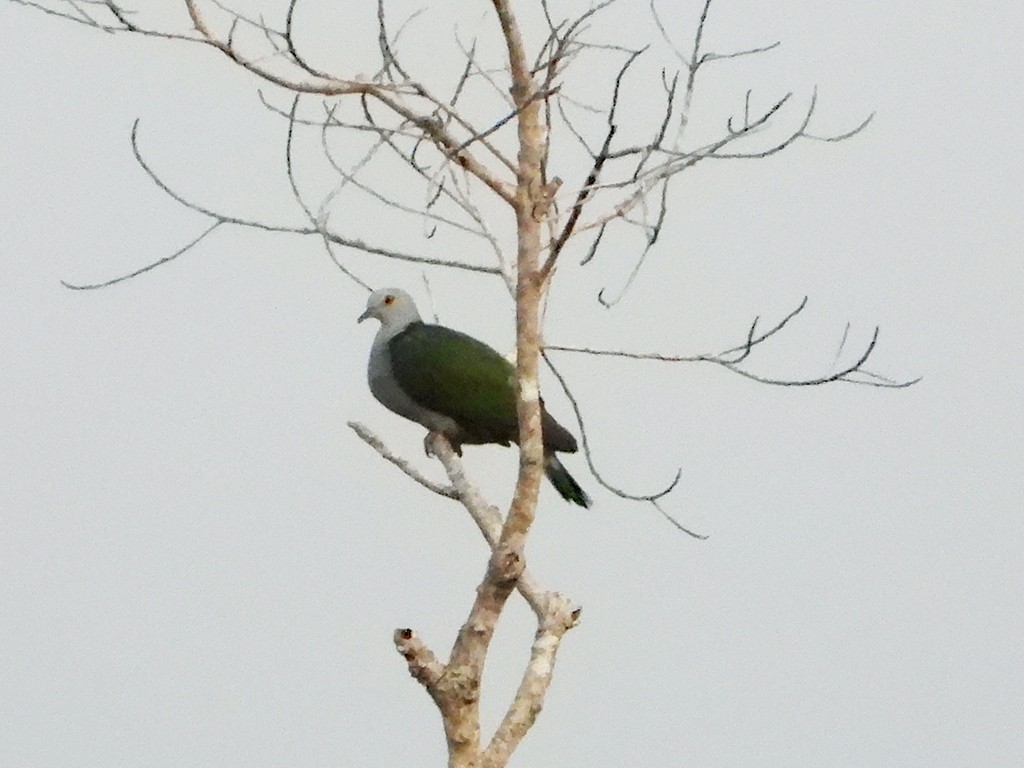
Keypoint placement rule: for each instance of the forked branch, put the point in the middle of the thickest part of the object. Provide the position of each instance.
(454, 686)
(733, 358)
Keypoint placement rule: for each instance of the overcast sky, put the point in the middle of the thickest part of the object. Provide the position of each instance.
(201, 565)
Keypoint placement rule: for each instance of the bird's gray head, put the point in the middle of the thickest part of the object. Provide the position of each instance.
(392, 306)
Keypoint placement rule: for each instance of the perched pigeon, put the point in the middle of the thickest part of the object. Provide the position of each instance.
(453, 384)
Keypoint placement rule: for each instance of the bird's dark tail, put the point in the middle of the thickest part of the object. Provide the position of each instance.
(564, 483)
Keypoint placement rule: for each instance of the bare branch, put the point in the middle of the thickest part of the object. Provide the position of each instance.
(328, 85)
(652, 237)
(460, 84)
(595, 172)
(643, 182)
(561, 616)
(531, 208)
(474, 69)
(329, 247)
(651, 498)
(289, 167)
(320, 229)
(481, 136)
(753, 339)
(423, 664)
(377, 444)
(854, 373)
(349, 177)
(843, 136)
(592, 251)
(456, 194)
(388, 59)
(153, 265)
(293, 50)
(434, 129)
(79, 17)
(485, 515)
(487, 519)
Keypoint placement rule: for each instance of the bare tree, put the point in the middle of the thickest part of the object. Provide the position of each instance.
(475, 152)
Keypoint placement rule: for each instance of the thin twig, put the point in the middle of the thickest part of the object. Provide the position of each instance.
(368, 437)
(855, 373)
(142, 270)
(651, 498)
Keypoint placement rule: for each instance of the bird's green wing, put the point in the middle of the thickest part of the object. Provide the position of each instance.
(454, 374)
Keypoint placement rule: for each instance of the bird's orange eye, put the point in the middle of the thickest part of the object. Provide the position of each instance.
(389, 299)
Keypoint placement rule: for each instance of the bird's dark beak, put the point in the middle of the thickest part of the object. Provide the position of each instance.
(363, 316)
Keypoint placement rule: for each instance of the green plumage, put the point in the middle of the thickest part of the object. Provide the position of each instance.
(456, 375)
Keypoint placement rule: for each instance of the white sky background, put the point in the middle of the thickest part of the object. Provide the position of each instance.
(200, 564)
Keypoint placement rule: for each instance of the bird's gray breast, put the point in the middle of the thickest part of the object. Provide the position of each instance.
(385, 387)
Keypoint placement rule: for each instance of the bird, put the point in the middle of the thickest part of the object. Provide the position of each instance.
(454, 384)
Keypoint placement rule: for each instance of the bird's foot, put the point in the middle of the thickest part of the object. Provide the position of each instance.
(428, 443)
